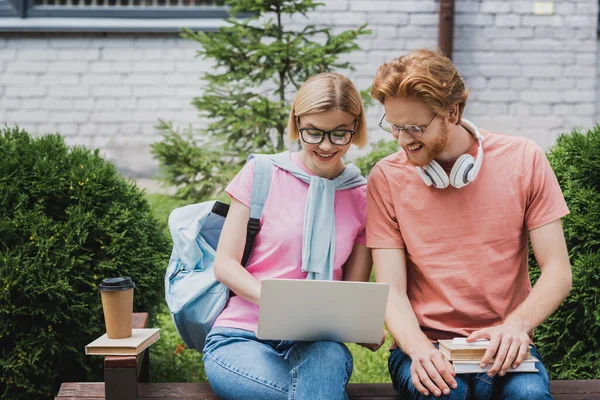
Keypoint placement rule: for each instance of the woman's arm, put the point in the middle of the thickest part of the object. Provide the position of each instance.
(359, 264)
(228, 267)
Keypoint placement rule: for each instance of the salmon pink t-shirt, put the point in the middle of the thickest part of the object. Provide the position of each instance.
(467, 248)
(277, 249)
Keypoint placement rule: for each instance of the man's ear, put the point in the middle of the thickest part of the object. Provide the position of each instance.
(453, 115)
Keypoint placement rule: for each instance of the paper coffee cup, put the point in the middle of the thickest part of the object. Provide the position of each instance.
(117, 303)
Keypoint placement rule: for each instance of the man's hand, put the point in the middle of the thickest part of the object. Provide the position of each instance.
(509, 344)
(374, 346)
(431, 372)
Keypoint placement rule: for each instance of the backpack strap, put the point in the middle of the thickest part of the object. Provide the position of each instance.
(260, 191)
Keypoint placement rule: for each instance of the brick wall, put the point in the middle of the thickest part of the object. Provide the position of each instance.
(530, 75)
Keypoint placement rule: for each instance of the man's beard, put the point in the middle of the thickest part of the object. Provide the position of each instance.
(432, 150)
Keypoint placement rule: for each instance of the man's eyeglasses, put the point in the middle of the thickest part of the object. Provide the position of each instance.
(338, 137)
(415, 131)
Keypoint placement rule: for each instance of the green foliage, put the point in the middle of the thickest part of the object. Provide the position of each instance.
(197, 171)
(379, 150)
(67, 220)
(569, 339)
(258, 62)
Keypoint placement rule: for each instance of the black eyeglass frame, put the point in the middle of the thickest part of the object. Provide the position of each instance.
(327, 133)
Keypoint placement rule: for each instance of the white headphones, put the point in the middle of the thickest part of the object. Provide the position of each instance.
(464, 170)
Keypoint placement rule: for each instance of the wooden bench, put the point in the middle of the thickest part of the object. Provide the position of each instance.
(126, 378)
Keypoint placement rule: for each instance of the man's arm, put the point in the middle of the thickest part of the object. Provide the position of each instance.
(430, 370)
(511, 339)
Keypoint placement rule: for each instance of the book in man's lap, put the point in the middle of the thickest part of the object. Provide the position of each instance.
(139, 341)
(465, 357)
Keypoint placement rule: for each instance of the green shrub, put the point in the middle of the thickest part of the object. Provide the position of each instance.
(381, 149)
(67, 220)
(569, 340)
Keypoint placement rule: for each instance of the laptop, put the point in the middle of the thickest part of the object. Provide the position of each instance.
(338, 311)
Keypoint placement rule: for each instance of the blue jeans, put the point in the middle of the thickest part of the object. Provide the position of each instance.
(241, 366)
(513, 386)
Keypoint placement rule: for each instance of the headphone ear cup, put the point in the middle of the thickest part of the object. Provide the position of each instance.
(425, 176)
(460, 170)
(437, 175)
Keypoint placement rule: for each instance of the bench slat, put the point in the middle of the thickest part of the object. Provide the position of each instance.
(562, 390)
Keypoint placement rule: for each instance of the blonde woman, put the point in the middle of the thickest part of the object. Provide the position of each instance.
(327, 116)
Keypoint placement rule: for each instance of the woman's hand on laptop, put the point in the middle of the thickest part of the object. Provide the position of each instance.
(375, 346)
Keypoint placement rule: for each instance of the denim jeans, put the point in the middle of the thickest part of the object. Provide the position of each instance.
(241, 366)
(513, 386)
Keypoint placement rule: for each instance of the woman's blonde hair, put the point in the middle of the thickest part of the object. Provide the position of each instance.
(426, 75)
(324, 92)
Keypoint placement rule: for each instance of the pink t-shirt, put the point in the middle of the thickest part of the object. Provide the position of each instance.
(277, 249)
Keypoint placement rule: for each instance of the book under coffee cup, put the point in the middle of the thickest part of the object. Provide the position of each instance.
(117, 303)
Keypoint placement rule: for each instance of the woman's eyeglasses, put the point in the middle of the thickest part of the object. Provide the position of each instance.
(338, 137)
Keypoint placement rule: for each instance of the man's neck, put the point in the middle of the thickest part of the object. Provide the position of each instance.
(460, 140)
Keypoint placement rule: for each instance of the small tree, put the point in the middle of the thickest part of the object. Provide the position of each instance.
(258, 63)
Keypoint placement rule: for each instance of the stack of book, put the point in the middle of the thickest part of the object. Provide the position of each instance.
(466, 357)
(139, 341)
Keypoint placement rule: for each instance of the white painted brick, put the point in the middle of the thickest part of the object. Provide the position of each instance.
(122, 41)
(35, 54)
(119, 54)
(542, 45)
(477, 82)
(142, 116)
(337, 5)
(102, 79)
(78, 54)
(500, 71)
(110, 116)
(542, 71)
(587, 33)
(577, 96)
(414, 6)
(407, 32)
(68, 67)
(396, 45)
(473, 19)
(498, 108)
(106, 104)
(424, 19)
(519, 109)
(13, 79)
(585, 83)
(522, 7)
(71, 42)
(476, 109)
(565, 8)
(78, 91)
(83, 104)
(70, 116)
(149, 104)
(541, 96)
(171, 104)
(466, 7)
(585, 109)
(579, 71)
(127, 104)
(27, 115)
(543, 20)
(386, 32)
(130, 129)
(586, 59)
(367, 5)
(25, 66)
(197, 67)
(587, 7)
(143, 79)
(504, 44)
(22, 43)
(67, 129)
(498, 95)
(9, 103)
(542, 83)
(508, 20)
(8, 54)
(545, 58)
(584, 46)
(25, 91)
(577, 21)
(389, 18)
(495, 7)
(111, 91)
(541, 109)
(563, 109)
(549, 122)
(54, 103)
(498, 83)
(564, 83)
